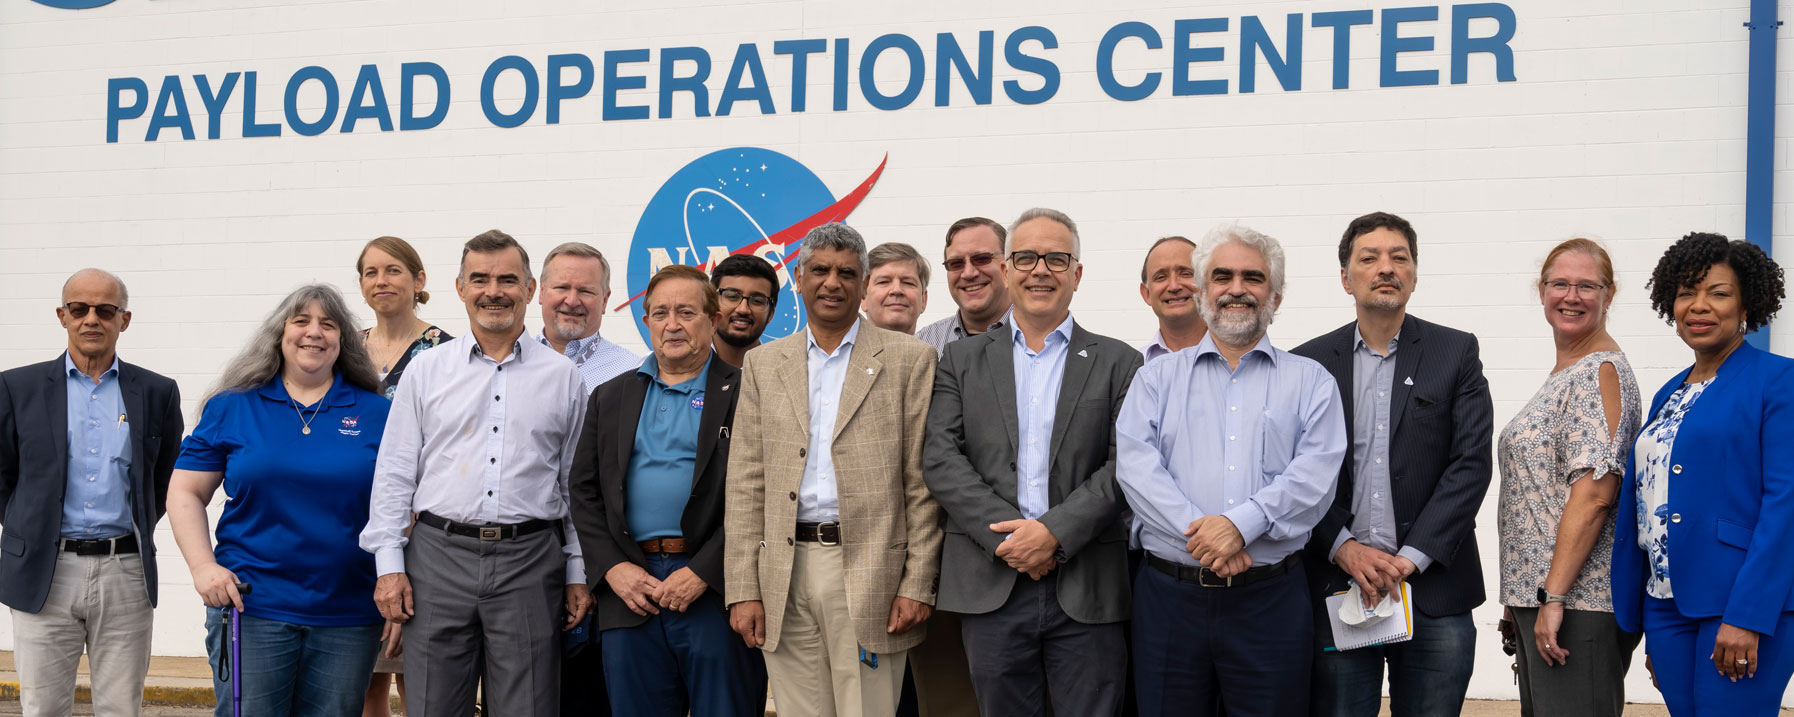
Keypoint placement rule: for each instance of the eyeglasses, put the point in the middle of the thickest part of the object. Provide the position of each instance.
(78, 309)
(980, 260)
(1561, 288)
(735, 296)
(1056, 261)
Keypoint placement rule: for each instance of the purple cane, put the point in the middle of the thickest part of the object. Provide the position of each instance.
(236, 654)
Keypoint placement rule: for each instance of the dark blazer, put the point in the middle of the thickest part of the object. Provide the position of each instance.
(969, 465)
(1439, 461)
(601, 467)
(34, 447)
(1731, 496)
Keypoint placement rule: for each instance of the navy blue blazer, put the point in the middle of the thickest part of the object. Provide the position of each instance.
(1731, 500)
(34, 461)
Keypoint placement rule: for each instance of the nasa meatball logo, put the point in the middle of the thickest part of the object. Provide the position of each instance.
(73, 4)
(744, 200)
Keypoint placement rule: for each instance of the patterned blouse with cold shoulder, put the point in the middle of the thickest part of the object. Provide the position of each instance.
(389, 381)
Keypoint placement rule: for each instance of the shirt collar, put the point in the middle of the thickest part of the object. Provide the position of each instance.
(68, 364)
(1358, 340)
(853, 334)
(579, 346)
(651, 368)
(1262, 347)
(1063, 330)
(340, 393)
(959, 324)
(1158, 342)
(475, 351)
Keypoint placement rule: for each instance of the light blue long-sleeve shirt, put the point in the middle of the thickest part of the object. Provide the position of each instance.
(96, 503)
(1037, 381)
(1260, 444)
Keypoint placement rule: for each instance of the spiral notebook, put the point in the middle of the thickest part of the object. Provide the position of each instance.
(1388, 631)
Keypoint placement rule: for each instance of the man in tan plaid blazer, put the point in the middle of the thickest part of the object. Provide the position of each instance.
(833, 542)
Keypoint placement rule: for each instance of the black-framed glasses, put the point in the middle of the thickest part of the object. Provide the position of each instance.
(1056, 261)
(980, 260)
(79, 309)
(736, 296)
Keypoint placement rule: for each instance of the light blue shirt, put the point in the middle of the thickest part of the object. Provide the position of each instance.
(1037, 380)
(1260, 445)
(598, 358)
(817, 501)
(1373, 506)
(97, 502)
(666, 453)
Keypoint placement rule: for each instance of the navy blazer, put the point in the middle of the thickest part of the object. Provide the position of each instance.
(1439, 461)
(1731, 500)
(34, 465)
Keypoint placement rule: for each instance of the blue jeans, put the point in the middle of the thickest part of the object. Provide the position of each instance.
(293, 670)
(1428, 675)
(679, 662)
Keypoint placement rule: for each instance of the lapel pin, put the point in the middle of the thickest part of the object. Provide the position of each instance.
(725, 387)
(1085, 354)
(1410, 381)
(868, 372)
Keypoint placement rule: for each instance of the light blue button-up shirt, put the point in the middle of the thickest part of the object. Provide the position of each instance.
(817, 500)
(97, 502)
(1037, 380)
(1260, 445)
(598, 358)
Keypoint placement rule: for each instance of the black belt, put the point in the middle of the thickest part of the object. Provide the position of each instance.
(486, 532)
(825, 533)
(101, 546)
(1208, 579)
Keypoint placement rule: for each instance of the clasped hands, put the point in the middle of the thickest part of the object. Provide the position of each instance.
(644, 595)
(1216, 544)
(1376, 572)
(1029, 547)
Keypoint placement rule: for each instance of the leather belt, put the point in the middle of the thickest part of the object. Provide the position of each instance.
(485, 532)
(825, 533)
(669, 546)
(101, 546)
(1207, 578)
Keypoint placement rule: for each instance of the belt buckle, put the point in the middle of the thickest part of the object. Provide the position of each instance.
(493, 533)
(1202, 579)
(821, 530)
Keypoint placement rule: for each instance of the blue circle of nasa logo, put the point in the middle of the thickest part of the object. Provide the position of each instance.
(744, 200)
(73, 4)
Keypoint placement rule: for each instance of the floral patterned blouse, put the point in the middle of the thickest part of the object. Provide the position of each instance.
(1559, 437)
(1652, 465)
(389, 379)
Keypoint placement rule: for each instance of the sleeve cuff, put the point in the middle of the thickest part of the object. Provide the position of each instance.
(389, 560)
(1420, 559)
(576, 571)
(1344, 535)
(1250, 520)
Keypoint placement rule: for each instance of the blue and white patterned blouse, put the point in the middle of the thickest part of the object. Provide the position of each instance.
(1652, 464)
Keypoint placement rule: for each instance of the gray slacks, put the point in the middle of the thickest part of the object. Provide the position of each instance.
(1029, 651)
(479, 604)
(1592, 682)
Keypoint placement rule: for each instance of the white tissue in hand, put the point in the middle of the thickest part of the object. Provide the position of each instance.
(1353, 612)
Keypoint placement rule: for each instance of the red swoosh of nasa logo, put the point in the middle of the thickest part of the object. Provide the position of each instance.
(831, 213)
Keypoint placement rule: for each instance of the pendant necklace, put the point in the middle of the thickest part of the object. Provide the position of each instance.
(305, 423)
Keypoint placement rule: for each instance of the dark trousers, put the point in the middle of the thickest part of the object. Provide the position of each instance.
(582, 676)
(1428, 675)
(1593, 680)
(1029, 650)
(680, 662)
(1198, 648)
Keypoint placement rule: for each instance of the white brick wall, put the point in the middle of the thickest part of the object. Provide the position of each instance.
(1626, 122)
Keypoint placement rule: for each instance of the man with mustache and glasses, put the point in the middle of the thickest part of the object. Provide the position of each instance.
(897, 289)
(479, 445)
(1168, 286)
(748, 288)
(974, 267)
(1228, 454)
(1021, 456)
(575, 292)
(834, 543)
(1419, 432)
(87, 445)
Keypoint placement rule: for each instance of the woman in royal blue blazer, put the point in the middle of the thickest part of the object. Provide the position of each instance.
(1703, 550)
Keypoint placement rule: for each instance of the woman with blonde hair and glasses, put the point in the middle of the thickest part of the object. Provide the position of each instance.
(392, 282)
(1562, 457)
(291, 433)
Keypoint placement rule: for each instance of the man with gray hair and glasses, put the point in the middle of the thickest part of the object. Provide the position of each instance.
(575, 292)
(1228, 454)
(834, 542)
(87, 445)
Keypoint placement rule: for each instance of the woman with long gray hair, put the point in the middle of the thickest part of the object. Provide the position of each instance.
(291, 433)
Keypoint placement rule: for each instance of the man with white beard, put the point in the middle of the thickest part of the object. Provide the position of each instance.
(1228, 454)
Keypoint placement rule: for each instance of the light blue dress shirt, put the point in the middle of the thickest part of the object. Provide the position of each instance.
(1037, 380)
(817, 500)
(666, 453)
(97, 502)
(1260, 444)
(598, 358)
(1373, 506)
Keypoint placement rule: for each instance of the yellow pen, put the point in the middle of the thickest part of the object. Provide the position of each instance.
(121, 421)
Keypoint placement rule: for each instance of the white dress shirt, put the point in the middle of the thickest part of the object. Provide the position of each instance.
(817, 500)
(453, 448)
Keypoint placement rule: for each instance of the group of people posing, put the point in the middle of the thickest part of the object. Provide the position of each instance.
(1024, 516)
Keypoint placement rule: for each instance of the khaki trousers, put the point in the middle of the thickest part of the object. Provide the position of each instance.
(816, 670)
(97, 604)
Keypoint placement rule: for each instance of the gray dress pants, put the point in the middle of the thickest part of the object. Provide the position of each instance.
(1592, 682)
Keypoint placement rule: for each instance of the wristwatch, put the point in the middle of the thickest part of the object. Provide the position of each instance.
(1546, 597)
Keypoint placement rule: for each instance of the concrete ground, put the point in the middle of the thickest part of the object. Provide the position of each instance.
(1474, 708)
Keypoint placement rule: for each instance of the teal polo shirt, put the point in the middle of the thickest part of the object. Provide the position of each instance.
(665, 454)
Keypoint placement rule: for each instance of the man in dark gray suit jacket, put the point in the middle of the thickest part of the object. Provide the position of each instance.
(1021, 455)
(1419, 422)
(87, 444)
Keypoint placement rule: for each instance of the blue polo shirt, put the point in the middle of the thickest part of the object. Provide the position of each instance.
(666, 453)
(297, 502)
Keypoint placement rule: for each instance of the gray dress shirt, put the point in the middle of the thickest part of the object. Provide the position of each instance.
(1373, 512)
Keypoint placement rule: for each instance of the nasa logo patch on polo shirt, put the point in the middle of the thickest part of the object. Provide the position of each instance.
(697, 404)
(348, 428)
